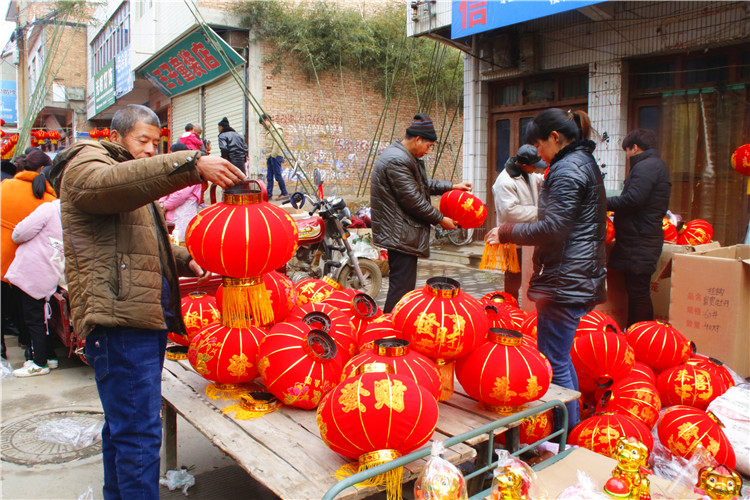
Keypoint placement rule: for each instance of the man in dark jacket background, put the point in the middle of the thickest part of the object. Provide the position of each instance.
(639, 211)
(232, 146)
(401, 210)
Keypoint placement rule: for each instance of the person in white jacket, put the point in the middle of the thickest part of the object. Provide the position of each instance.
(37, 269)
(516, 193)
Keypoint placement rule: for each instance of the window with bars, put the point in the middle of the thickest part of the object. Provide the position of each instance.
(112, 39)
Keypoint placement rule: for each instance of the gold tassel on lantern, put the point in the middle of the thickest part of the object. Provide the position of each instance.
(391, 479)
(502, 257)
(446, 370)
(245, 303)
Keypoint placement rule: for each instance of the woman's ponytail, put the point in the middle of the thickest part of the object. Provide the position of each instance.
(39, 186)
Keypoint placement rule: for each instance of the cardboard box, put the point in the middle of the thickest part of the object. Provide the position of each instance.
(710, 303)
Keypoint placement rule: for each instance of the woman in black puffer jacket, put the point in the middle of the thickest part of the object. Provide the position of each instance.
(569, 259)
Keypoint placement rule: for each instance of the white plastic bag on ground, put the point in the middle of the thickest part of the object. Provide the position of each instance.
(733, 410)
(6, 369)
(69, 432)
(178, 479)
(87, 495)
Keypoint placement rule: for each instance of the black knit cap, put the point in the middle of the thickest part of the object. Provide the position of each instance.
(224, 122)
(421, 126)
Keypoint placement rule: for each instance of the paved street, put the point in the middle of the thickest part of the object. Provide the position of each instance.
(43, 470)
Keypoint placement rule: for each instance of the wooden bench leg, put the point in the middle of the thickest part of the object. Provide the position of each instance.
(169, 433)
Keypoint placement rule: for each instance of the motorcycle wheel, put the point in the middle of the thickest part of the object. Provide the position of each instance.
(371, 273)
(461, 236)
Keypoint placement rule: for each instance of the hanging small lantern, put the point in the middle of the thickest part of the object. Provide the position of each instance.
(380, 328)
(403, 360)
(634, 397)
(670, 231)
(682, 428)
(600, 358)
(741, 159)
(689, 385)
(501, 297)
(332, 321)
(658, 344)
(375, 417)
(164, 133)
(242, 238)
(104, 134)
(226, 356)
(695, 232)
(312, 290)
(601, 432)
(610, 232)
(359, 307)
(299, 364)
(503, 374)
(464, 208)
(443, 323)
(596, 321)
(13, 139)
(94, 133)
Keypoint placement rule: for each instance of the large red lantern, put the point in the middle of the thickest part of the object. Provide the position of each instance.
(689, 385)
(682, 428)
(528, 327)
(632, 396)
(601, 432)
(741, 159)
(405, 361)
(241, 238)
(380, 328)
(644, 372)
(501, 297)
(504, 315)
(464, 208)
(377, 416)
(299, 364)
(600, 358)
(227, 356)
(670, 231)
(596, 321)
(442, 322)
(332, 321)
(312, 290)
(695, 232)
(198, 311)
(713, 366)
(503, 374)
(658, 344)
(533, 428)
(359, 307)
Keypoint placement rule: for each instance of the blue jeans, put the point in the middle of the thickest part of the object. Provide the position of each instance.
(274, 172)
(127, 365)
(556, 329)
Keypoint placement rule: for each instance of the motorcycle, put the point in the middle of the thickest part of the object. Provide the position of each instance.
(324, 247)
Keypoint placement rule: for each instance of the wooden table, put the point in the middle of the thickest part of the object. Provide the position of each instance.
(284, 450)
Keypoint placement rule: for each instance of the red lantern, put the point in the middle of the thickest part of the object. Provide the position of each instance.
(533, 428)
(741, 159)
(164, 132)
(682, 428)
(695, 232)
(359, 307)
(93, 133)
(299, 364)
(644, 372)
(501, 297)
(601, 432)
(311, 290)
(464, 208)
(242, 238)
(376, 417)
(332, 321)
(600, 359)
(713, 366)
(504, 315)
(528, 327)
(610, 234)
(379, 328)
(227, 356)
(689, 385)
(404, 361)
(503, 373)
(596, 321)
(658, 344)
(443, 323)
(632, 396)
(13, 139)
(104, 133)
(2, 122)
(670, 231)
(198, 311)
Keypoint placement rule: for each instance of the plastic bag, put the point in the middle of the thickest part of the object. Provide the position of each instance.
(584, 489)
(440, 479)
(680, 471)
(69, 432)
(733, 410)
(87, 495)
(6, 369)
(515, 479)
(362, 248)
(178, 479)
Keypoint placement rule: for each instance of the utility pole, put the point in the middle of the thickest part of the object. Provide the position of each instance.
(22, 80)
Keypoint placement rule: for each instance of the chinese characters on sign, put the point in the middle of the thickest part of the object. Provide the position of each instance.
(8, 101)
(104, 87)
(472, 13)
(703, 308)
(189, 63)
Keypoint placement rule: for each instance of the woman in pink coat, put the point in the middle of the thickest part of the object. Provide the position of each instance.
(37, 269)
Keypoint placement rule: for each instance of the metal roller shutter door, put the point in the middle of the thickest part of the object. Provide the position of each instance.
(186, 108)
(224, 98)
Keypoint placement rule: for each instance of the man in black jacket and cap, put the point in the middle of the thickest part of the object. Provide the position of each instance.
(401, 210)
(232, 146)
(639, 211)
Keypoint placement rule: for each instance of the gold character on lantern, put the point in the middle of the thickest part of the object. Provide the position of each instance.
(630, 475)
(390, 395)
(349, 399)
(501, 389)
(720, 482)
(239, 365)
(532, 388)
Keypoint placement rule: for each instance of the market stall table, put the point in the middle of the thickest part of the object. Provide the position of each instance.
(284, 450)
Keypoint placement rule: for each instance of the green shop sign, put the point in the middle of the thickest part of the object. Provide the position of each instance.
(104, 87)
(189, 63)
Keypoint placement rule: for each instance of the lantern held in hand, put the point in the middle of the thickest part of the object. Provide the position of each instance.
(464, 208)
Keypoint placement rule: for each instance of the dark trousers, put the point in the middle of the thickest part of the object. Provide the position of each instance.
(127, 366)
(42, 345)
(12, 318)
(513, 280)
(274, 172)
(638, 288)
(402, 277)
